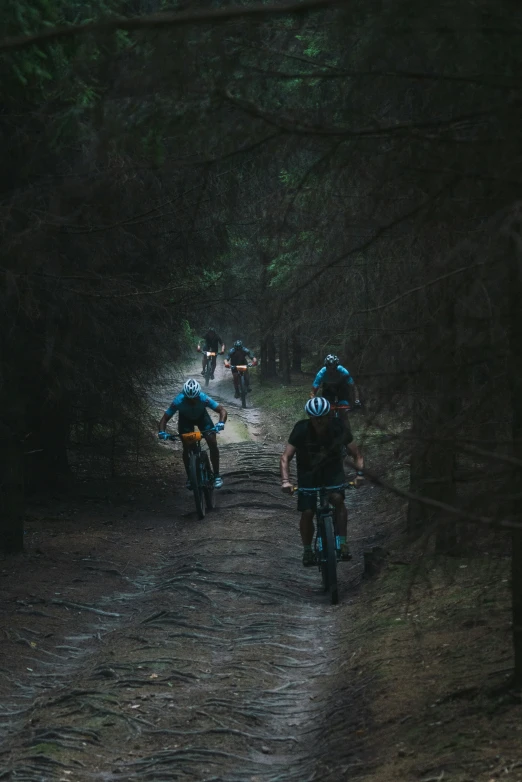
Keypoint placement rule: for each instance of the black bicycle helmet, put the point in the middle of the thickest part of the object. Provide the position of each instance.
(331, 360)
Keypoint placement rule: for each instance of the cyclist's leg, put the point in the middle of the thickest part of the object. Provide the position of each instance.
(235, 378)
(204, 423)
(184, 427)
(306, 504)
(306, 527)
(247, 380)
(213, 364)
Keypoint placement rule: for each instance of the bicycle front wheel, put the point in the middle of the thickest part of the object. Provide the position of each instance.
(208, 481)
(330, 558)
(196, 485)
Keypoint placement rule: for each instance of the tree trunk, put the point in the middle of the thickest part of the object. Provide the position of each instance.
(296, 351)
(284, 360)
(515, 383)
(263, 355)
(50, 426)
(271, 368)
(12, 503)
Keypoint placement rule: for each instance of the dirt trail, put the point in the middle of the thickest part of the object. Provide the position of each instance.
(217, 659)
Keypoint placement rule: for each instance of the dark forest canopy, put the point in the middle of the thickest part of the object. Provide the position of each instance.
(337, 176)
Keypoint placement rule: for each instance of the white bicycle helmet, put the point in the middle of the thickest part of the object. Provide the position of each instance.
(331, 360)
(317, 406)
(192, 389)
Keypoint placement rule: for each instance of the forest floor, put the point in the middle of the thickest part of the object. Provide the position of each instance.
(138, 643)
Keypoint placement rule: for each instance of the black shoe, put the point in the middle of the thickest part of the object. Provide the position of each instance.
(248, 390)
(345, 553)
(308, 557)
(212, 377)
(236, 395)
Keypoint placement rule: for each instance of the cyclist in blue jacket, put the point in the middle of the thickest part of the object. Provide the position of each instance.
(336, 382)
(191, 404)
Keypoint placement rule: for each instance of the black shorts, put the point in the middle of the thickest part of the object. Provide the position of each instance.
(185, 425)
(334, 477)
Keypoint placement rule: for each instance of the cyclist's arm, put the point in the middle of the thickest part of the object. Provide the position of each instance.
(169, 412)
(318, 380)
(215, 406)
(163, 423)
(286, 458)
(165, 418)
(223, 415)
(356, 454)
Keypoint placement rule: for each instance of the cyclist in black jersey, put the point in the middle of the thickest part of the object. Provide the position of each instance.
(318, 445)
(211, 342)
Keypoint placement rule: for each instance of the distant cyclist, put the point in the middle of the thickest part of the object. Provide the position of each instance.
(318, 444)
(336, 381)
(237, 356)
(211, 342)
(191, 404)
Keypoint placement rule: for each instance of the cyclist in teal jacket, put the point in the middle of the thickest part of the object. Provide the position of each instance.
(336, 382)
(191, 404)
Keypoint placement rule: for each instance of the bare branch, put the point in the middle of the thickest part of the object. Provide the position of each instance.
(164, 20)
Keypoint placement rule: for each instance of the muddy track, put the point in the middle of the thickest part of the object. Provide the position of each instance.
(221, 662)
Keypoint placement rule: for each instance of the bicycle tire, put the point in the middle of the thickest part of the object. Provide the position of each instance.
(321, 553)
(242, 390)
(196, 485)
(208, 482)
(330, 558)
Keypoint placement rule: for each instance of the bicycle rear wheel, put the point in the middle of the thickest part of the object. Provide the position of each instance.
(195, 480)
(242, 389)
(208, 481)
(330, 558)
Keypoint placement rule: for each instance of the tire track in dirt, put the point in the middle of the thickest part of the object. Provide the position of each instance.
(227, 662)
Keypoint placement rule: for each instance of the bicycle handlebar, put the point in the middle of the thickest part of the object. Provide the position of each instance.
(178, 437)
(349, 485)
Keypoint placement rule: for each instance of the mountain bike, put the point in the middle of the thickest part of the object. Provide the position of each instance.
(327, 546)
(200, 472)
(210, 365)
(242, 381)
